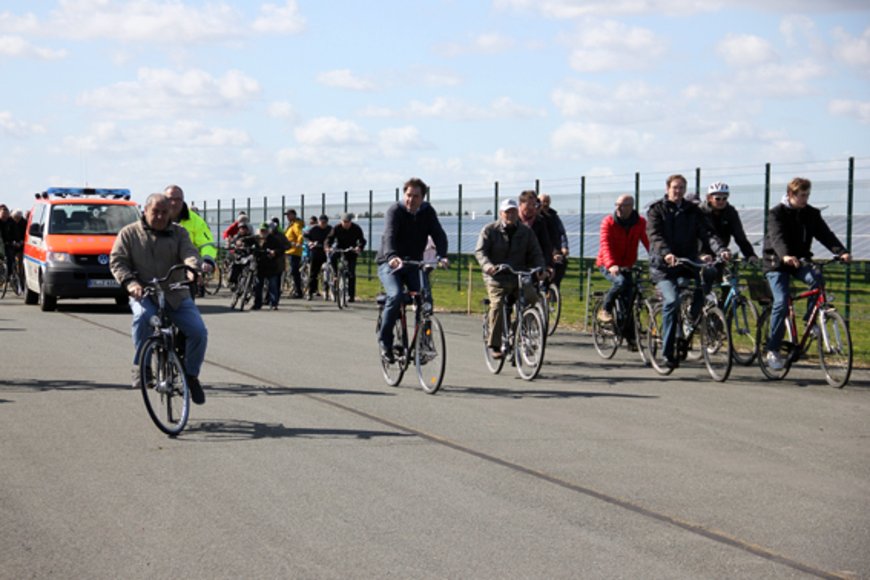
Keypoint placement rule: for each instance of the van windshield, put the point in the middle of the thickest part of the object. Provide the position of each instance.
(93, 220)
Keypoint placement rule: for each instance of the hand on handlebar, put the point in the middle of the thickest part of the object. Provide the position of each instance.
(671, 260)
(135, 290)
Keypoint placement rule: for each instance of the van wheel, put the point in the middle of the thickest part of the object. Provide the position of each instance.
(47, 303)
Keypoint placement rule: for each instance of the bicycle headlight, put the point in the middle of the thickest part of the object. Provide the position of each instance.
(155, 321)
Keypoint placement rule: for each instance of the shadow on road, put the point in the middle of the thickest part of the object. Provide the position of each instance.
(506, 393)
(240, 390)
(235, 430)
(22, 385)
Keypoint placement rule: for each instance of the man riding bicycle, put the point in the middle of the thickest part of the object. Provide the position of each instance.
(315, 238)
(145, 250)
(791, 227)
(506, 241)
(407, 226)
(620, 233)
(347, 236)
(677, 229)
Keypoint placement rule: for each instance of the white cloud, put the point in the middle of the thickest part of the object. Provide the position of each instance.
(330, 132)
(344, 79)
(859, 110)
(16, 46)
(284, 19)
(398, 140)
(610, 45)
(162, 92)
(746, 50)
(597, 140)
(12, 127)
(853, 51)
(627, 102)
(457, 110)
(484, 43)
(568, 9)
(282, 110)
(110, 137)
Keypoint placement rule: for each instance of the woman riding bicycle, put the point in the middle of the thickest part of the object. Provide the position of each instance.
(791, 227)
(506, 241)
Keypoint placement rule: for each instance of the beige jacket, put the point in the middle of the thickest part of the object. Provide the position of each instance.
(143, 254)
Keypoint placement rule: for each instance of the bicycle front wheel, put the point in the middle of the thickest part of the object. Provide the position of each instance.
(341, 290)
(835, 348)
(716, 344)
(394, 371)
(554, 308)
(605, 335)
(164, 387)
(493, 364)
(530, 344)
(430, 355)
(211, 281)
(742, 322)
(785, 350)
(655, 341)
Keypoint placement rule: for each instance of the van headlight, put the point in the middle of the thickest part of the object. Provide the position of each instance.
(58, 257)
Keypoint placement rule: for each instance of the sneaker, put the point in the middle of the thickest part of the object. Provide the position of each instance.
(669, 363)
(604, 316)
(386, 352)
(774, 361)
(135, 376)
(196, 392)
(495, 353)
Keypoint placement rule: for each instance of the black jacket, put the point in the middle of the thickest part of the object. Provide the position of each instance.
(318, 235)
(343, 239)
(406, 234)
(678, 230)
(790, 232)
(726, 223)
(272, 265)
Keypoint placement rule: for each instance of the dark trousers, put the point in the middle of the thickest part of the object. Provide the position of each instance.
(318, 258)
(273, 285)
(295, 266)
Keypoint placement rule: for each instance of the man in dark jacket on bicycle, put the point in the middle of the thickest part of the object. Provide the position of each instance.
(506, 241)
(677, 229)
(791, 228)
(347, 236)
(407, 227)
(146, 250)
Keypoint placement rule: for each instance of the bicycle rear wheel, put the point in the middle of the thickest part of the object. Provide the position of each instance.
(784, 352)
(716, 344)
(341, 290)
(835, 348)
(605, 335)
(248, 289)
(493, 364)
(164, 387)
(394, 371)
(742, 322)
(554, 308)
(530, 343)
(430, 355)
(655, 341)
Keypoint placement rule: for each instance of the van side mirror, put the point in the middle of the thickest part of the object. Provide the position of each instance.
(36, 230)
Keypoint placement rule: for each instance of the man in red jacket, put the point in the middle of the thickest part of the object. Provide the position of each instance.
(620, 233)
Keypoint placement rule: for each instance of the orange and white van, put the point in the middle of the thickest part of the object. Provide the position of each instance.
(70, 233)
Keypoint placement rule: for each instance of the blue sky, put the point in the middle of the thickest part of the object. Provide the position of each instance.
(282, 98)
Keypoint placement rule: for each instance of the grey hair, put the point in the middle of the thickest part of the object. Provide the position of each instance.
(154, 198)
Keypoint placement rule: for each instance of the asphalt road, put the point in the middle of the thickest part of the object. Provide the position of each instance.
(303, 463)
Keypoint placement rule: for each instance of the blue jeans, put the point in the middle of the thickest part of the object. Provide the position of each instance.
(621, 286)
(186, 317)
(670, 304)
(393, 281)
(273, 284)
(779, 288)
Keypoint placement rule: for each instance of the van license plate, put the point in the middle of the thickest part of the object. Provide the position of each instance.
(103, 283)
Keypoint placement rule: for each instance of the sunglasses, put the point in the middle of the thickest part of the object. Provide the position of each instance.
(720, 197)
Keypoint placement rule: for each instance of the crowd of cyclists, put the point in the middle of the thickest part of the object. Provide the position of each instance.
(13, 225)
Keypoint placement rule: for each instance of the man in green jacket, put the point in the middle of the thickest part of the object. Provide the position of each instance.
(200, 233)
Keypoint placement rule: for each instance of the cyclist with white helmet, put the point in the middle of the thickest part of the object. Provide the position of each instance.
(726, 224)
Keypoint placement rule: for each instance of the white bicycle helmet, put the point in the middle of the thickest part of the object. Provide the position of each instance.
(718, 187)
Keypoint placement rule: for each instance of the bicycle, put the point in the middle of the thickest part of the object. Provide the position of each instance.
(340, 278)
(161, 362)
(824, 324)
(524, 335)
(427, 347)
(710, 325)
(608, 336)
(15, 278)
(212, 281)
(550, 302)
(247, 279)
(742, 317)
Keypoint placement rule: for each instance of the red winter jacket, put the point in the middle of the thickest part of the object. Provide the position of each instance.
(619, 244)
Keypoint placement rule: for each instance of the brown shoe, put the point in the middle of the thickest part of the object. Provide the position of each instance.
(604, 316)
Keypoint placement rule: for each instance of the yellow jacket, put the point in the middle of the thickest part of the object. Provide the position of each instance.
(200, 233)
(293, 233)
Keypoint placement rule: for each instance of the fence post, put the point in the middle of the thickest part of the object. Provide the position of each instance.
(698, 183)
(265, 209)
(233, 209)
(283, 211)
(581, 256)
(850, 199)
(538, 187)
(371, 242)
(218, 237)
(322, 203)
(345, 202)
(397, 194)
(495, 205)
(248, 211)
(459, 243)
(637, 190)
(766, 197)
(302, 208)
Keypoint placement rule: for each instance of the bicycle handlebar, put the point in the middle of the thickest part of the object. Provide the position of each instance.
(509, 269)
(152, 285)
